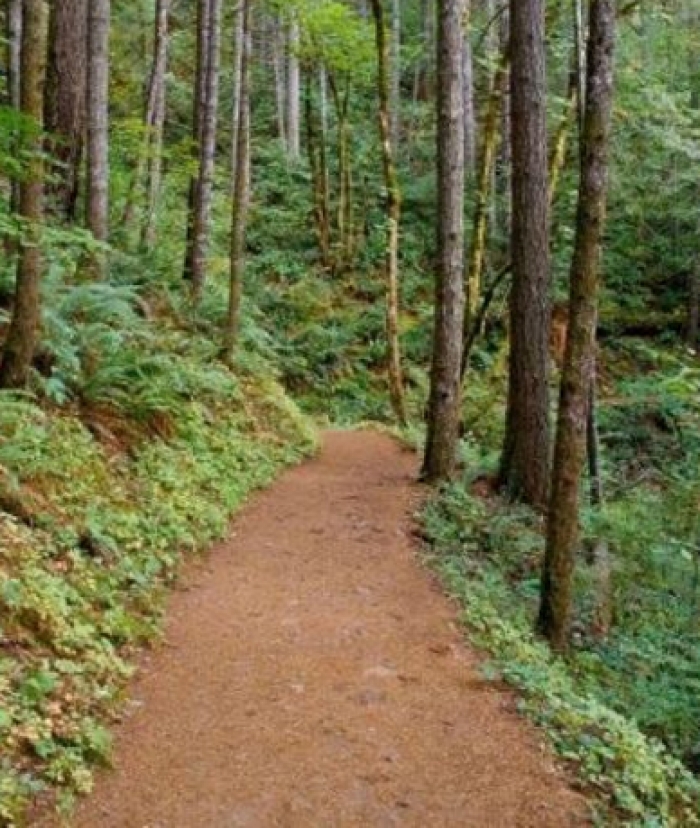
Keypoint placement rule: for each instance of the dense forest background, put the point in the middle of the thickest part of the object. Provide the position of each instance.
(222, 223)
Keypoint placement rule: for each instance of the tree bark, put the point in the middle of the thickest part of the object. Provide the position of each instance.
(345, 212)
(203, 25)
(14, 72)
(395, 76)
(205, 125)
(65, 101)
(393, 214)
(579, 360)
(14, 52)
(316, 151)
(148, 165)
(279, 70)
(98, 127)
(444, 406)
(470, 140)
(23, 332)
(524, 470)
(293, 92)
(238, 47)
(239, 216)
(155, 121)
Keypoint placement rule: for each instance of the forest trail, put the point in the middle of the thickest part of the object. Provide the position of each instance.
(314, 675)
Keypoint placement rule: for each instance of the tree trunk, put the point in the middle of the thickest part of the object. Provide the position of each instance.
(203, 37)
(315, 146)
(444, 407)
(395, 76)
(345, 189)
(468, 87)
(155, 121)
(65, 101)
(579, 359)
(293, 93)
(98, 127)
(524, 470)
(14, 52)
(23, 332)
(238, 47)
(393, 215)
(14, 71)
(278, 67)
(205, 128)
(241, 198)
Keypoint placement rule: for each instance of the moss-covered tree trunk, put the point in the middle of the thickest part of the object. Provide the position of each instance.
(205, 121)
(13, 29)
(579, 359)
(23, 333)
(445, 381)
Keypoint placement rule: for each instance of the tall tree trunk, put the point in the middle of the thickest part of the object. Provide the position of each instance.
(444, 406)
(241, 198)
(279, 70)
(203, 26)
(155, 121)
(395, 76)
(293, 92)
(579, 359)
(13, 24)
(14, 70)
(502, 205)
(525, 461)
(205, 127)
(468, 87)
(65, 100)
(345, 213)
(393, 215)
(23, 332)
(98, 127)
(315, 146)
(238, 47)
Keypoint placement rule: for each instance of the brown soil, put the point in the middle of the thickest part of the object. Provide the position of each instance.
(314, 675)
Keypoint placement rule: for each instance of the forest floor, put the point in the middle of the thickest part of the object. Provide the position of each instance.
(314, 674)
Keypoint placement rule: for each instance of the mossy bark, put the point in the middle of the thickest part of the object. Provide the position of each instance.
(579, 360)
(23, 333)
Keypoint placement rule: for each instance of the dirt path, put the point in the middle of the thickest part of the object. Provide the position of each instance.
(314, 677)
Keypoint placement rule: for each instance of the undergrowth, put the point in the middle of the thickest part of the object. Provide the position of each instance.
(623, 707)
(133, 449)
